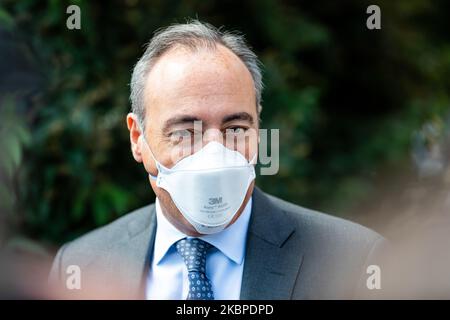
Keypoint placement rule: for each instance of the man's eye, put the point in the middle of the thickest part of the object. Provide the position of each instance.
(179, 135)
(183, 133)
(236, 130)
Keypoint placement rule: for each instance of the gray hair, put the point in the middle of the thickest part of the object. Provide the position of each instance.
(193, 34)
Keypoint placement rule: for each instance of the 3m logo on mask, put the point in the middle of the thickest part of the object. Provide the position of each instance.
(214, 201)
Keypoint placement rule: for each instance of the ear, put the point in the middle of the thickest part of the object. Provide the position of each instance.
(135, 133)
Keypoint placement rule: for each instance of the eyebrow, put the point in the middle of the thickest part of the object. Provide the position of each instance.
(183, 119)
(244, 116)
(188, 119)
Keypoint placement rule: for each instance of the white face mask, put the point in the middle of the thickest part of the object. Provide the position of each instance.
(209, 186)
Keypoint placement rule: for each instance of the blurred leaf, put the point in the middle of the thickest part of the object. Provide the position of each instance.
(6, 199)
(6, 20)
(23, 244)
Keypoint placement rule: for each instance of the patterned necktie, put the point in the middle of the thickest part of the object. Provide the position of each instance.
(193, 251)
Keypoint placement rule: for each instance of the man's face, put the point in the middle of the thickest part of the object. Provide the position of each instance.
(183, 88)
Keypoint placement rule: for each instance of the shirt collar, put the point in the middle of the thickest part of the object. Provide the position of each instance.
(230, 241)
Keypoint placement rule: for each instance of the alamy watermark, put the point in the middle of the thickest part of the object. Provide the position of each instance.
(263, 145)
(73, 280)
(374, 20)
(373, 281)
(74, 20)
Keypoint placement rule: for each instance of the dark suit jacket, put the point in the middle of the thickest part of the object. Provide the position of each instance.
(292, 253)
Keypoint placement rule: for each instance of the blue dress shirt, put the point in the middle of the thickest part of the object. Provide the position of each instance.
(167, 278)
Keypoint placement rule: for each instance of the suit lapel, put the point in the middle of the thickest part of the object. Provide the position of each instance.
(271, 266)
(131, 258)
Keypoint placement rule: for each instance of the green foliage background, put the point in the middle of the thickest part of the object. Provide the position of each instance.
(346, 100)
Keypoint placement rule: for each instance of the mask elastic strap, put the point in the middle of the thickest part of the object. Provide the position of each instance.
(154, 159)
(253, 161)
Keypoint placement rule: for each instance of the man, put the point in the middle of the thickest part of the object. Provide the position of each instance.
(211, 234)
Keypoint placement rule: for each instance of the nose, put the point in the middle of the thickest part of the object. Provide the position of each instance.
(212, 134)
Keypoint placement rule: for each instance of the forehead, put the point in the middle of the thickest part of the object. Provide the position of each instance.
(206, 81)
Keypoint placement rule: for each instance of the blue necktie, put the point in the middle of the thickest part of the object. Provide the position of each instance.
(193, 251)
